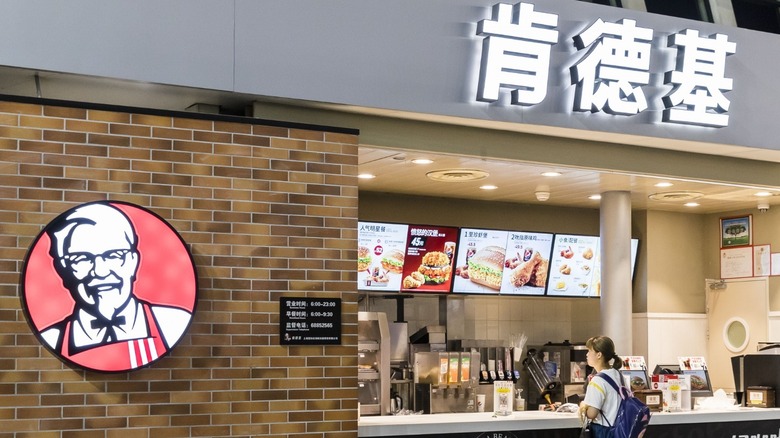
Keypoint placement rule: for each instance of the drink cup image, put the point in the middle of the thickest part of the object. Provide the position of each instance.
(480, 402)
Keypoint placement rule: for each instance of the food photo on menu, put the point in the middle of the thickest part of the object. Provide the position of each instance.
(572, 266)
(381, 253)
(527, 263)
(429, 259)
(479, 264)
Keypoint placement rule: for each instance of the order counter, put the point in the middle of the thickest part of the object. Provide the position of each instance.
(731, 423)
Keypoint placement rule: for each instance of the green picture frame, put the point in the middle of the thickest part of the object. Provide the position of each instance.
(736, 231)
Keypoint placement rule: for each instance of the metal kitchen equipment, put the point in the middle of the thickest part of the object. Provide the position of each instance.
(446, 381)
(373, 363)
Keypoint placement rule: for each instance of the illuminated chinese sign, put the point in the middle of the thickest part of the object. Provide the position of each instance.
(612, 66)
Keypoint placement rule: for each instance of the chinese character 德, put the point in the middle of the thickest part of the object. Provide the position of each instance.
(608, 77)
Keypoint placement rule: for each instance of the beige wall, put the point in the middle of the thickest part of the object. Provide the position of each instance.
(675, 262)
(765, 231)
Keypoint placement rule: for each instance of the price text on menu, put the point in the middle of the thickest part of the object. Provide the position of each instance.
(309, 321)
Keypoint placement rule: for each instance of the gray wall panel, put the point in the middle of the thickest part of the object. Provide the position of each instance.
(181, 42)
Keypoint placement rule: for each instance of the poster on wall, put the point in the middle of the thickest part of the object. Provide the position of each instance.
(381, 253)
(572, 267)
(479, 263)
(429, 258)
(736, 262)
(736, 231)
(527, 263)
(762, 261)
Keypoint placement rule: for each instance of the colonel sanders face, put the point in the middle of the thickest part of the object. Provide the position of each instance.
(97, 258)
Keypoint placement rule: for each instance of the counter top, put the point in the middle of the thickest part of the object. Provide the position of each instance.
(418, 425)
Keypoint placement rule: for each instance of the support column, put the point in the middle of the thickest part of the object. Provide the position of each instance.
(616, 291)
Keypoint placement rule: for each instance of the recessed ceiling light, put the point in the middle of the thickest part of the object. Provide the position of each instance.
(664, 184)
(366, 176)
(422, 161)
(762, 194)
(551, 173)
(691, 204)
(594, 197)
(488, 187)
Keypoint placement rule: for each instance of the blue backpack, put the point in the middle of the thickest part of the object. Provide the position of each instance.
(633, 416)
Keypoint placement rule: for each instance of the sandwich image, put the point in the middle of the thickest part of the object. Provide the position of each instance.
(435, 267)
(486, 267)
(393, 261)
(364, 258)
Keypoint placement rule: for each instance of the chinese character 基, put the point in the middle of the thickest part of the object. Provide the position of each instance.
(699, 80)
(608, 77)
(516, 53)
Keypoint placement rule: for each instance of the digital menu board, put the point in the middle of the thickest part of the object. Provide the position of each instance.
(572, 266)
(479, 264)
(381, 253)
(527, 263)
(429, 258)
(575, 269)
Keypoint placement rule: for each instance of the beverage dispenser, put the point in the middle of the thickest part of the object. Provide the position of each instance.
(445, 381)
(373, 363)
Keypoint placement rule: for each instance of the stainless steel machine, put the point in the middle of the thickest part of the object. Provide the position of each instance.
(446, 381)
(557, 370)
(373, 363)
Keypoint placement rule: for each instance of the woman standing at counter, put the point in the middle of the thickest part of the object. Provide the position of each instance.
(601, 400)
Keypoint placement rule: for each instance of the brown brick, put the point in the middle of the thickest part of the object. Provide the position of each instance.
(86, 126)
(112, 140)
(177, 134)
(20, 108)
(203, 125)
(192, 146)
(65, 136)
(130, 130)
(145, 119)
(67, 113)
(108, 116)
(88, 150)
(270, 131)
(211, 137)
(41, 122)
(21, 133)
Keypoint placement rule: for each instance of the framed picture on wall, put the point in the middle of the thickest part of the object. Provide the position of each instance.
(736, 231)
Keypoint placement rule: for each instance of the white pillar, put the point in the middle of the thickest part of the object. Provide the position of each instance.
(616, 292)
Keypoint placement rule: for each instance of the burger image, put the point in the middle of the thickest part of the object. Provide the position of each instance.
(393, 261)
(486, 267)
(364, 258)
(435, 267)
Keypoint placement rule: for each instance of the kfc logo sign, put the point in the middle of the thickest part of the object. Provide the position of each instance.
(109, 287)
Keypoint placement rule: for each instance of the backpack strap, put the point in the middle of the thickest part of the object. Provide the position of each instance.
(612, 383)
(615, 387)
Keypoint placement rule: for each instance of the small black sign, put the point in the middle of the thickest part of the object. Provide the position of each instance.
(310, 321)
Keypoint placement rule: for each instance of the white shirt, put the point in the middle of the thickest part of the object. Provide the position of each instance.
(603, 397)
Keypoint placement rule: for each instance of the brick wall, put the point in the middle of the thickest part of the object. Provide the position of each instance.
(269, 210)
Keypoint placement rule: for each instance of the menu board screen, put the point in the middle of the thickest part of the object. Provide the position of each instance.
(479, 265)
(527, 264)
(573, 265)
(381, 252)
(429, 259)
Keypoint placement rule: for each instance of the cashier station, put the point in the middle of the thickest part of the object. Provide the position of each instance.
(760, 369)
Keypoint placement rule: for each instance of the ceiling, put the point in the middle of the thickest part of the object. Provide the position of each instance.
(516, 182)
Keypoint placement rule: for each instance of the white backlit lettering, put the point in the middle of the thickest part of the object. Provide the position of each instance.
(608, 77)
(699, 80)
(516, 53)
(612, 69)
